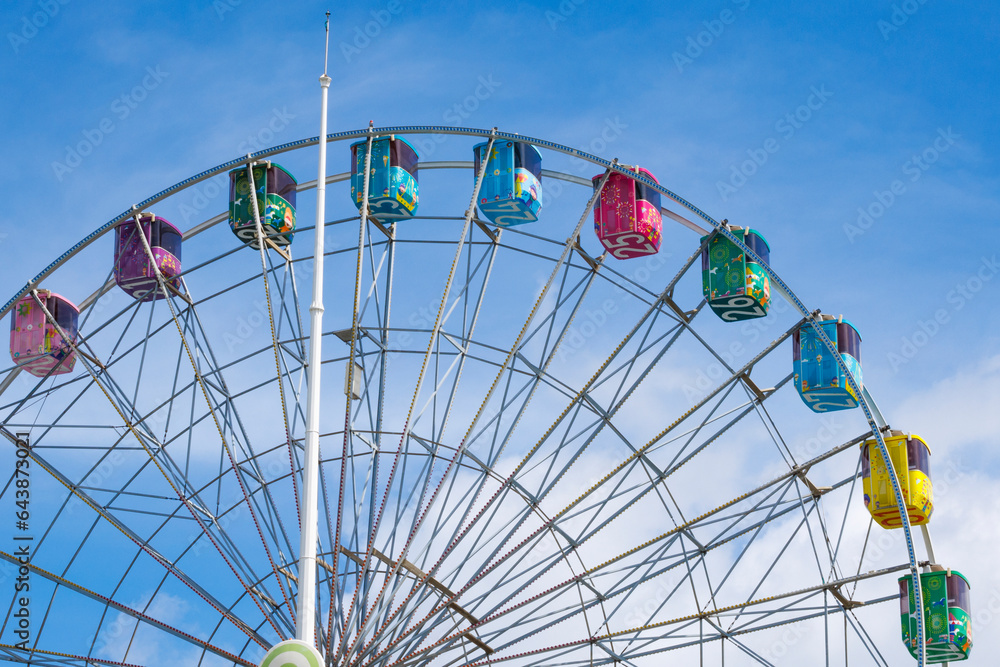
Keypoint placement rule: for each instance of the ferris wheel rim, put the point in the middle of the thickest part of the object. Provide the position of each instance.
(335, 137)
(344, 136)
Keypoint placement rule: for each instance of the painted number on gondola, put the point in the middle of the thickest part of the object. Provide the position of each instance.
(513, 212)
(629, 244)
(387, 207)
(822, 402)
(732, 312)
(249, 233)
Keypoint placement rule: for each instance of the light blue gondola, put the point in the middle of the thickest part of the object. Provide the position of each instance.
(819, 379)
(393, 191)
(511, 193)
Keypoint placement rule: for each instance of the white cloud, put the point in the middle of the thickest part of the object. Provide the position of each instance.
(957, 413)
(119, 638)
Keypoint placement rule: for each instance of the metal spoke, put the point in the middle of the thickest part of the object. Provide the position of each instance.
(548, 456)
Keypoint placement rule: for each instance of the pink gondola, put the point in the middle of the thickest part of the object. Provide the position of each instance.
(627, 217)
(36, 344)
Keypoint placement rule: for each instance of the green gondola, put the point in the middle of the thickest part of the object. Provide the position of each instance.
(947, 615)
(736, 287)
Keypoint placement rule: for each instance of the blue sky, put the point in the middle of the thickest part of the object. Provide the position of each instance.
(691, 113)
(860, 138)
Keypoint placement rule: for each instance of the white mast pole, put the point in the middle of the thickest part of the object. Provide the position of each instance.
(305, 617)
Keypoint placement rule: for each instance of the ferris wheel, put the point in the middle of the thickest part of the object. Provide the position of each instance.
(567, 419)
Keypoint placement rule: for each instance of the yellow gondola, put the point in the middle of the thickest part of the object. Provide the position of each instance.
(911, 460)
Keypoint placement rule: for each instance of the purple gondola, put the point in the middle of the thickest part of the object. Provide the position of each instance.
(134, 273)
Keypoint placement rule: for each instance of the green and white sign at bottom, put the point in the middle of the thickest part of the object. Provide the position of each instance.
(292, 653)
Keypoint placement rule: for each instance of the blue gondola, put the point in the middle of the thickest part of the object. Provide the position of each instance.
(819, 379)
(393, 191)
(511, 193)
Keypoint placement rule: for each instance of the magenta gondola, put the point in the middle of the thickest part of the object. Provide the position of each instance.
(627, 216)
(134, 272)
